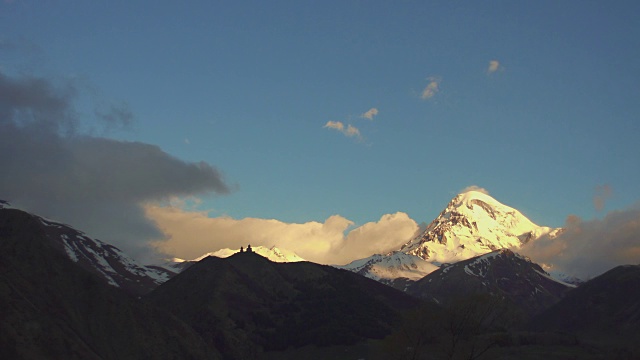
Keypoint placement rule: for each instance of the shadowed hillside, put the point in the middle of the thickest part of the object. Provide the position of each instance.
(51, 308)
(245, 304)
(605, 309)
(501, 273)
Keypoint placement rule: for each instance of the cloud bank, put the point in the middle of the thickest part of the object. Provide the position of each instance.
(97, 184)
(191, 234)
(588, 248)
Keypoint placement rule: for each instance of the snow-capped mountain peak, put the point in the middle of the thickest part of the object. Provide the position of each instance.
(473, 223)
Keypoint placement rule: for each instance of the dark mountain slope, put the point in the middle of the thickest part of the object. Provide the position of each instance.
(104, 260)
(502, 273)
(246, 299)
(606, 307)
(52, 308)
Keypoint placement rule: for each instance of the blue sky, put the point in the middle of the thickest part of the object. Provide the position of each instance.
(537, 102)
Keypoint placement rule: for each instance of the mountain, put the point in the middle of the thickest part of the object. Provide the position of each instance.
(54, 308)
(501, 273)
(472, 224)
(246, 303)
(102, 259)
(273, 253)
(605, 308)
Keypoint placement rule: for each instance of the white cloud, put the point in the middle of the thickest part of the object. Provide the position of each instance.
(387, 234)
(191, 234)
(494, 65)
(369, 114)
(337, 125)
(588, 248)
(474, 188)
(350, 130)
(432, 88)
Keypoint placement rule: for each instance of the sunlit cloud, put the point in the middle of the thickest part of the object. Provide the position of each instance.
(336, 125)
(494, 65)
(349, 130)
(474, 188)
(432, 88)
(192, 233)
(588, 248)
(352, 131)
(370, 114)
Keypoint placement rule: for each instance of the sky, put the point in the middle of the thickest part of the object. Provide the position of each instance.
(335, 128)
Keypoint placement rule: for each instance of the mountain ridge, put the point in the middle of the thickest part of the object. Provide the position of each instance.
(54, 308)
(104, 260)
(279, 305)
(502, 273)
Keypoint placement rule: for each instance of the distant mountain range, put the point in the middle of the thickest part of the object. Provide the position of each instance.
(57, 303)
(66, 295)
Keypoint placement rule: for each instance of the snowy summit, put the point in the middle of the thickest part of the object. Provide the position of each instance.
(472, 224)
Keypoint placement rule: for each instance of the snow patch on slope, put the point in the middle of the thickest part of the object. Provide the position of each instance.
(548, 276)
(109, 261)
(391, 266)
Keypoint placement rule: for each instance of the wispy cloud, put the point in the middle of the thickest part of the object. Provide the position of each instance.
(336, 125)
(474, 188)
(494, 65)
(369, 114)
(349, 130)
(602, 194)
(432, 87)
(352, 131)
